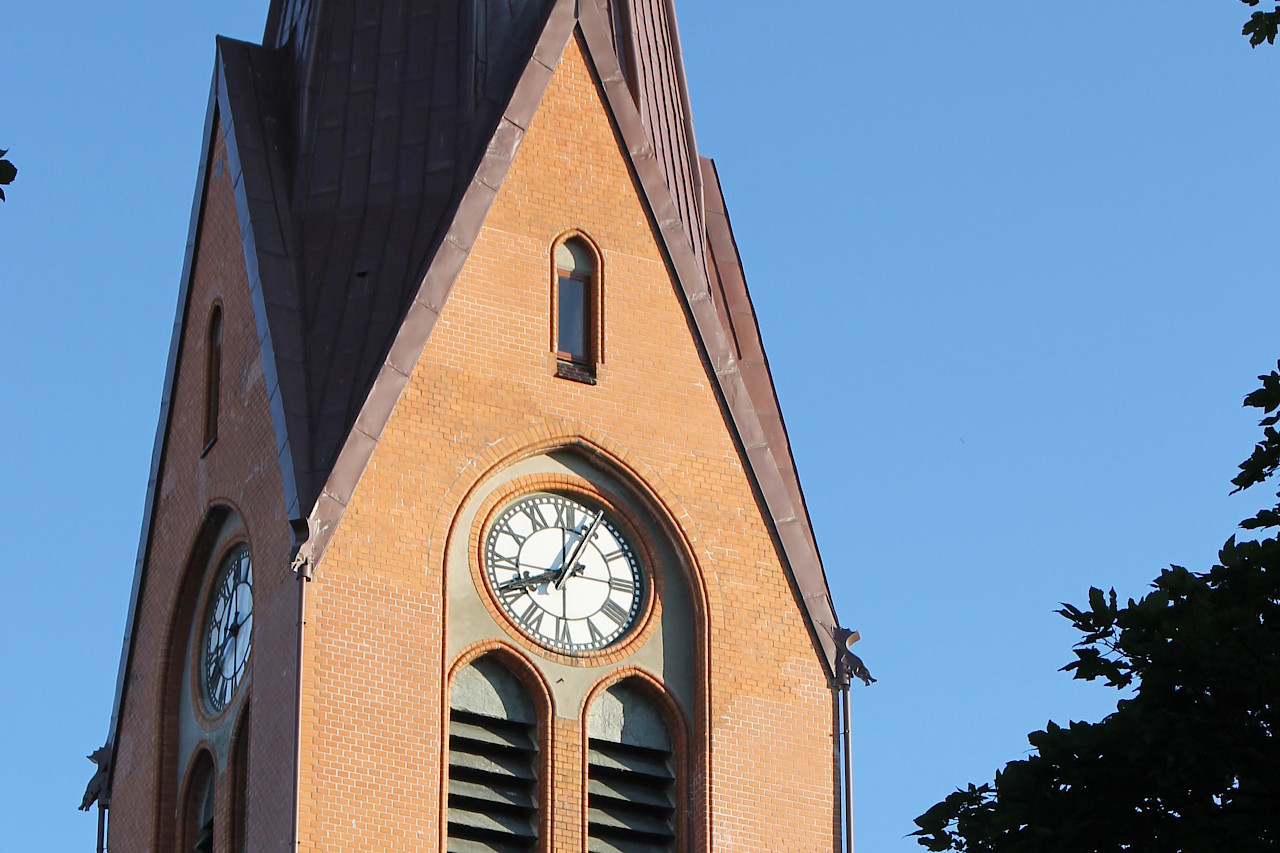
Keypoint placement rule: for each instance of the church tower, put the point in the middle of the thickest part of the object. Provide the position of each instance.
(472, 522)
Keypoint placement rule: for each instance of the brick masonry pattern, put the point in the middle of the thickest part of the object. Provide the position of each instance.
(374, 667)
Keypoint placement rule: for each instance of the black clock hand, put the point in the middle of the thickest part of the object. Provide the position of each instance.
(568, 565)
(527, 581)
(230, 627)
(233, 612)
(239, 620)
(215, 659)
(225, 624)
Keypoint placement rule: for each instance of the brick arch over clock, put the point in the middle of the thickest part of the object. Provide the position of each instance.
(190, 736)
(557, 436)
(666, 655)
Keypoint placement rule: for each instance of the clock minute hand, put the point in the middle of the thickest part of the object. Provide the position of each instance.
(568, 564)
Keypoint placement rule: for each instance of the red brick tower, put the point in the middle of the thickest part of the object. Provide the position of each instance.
(472, 522)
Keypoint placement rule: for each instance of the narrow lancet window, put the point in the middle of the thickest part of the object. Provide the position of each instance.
(631, 780)
(575, 299)
(213, 377)
(493, 767)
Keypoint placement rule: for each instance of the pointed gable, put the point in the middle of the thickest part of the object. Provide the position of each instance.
(751, 407)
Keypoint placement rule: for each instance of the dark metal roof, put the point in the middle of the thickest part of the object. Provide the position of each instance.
(364, 125)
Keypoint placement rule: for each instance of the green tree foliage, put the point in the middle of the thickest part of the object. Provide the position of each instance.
(1262, 26)
(7, 172)
(1190, 759)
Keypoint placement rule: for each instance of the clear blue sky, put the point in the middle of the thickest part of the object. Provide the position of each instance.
(1012, 262)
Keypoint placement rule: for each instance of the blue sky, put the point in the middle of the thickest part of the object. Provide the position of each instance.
(1012, 267)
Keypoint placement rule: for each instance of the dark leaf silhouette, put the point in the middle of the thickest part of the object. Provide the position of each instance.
(7, 171)
(1190, 758)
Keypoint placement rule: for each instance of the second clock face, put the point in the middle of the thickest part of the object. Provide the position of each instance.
(563, 572)
(228, 633)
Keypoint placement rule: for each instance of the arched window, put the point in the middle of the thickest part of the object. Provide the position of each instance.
(575, 297)
(631, 779)
(212, 378)
(493, 768)
(199, 809)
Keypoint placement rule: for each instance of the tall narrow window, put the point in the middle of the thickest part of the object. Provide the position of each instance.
(631, 783)
(213, 378)
(493, 779)
(575, 302)
(199, 810)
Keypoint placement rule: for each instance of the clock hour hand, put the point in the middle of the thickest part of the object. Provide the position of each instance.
(567, 567)
(214, 659)
(527, 581)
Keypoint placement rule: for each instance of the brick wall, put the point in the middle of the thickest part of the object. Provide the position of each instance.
(373, 669)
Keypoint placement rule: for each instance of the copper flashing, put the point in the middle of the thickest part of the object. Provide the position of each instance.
(151, 503)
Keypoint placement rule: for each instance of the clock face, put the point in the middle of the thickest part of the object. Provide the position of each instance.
(228, 632)
(563, 573)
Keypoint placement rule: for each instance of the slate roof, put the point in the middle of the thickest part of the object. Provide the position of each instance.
(357, 133)
(366, 141)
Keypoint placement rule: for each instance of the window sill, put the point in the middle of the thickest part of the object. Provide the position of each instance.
(571, 370)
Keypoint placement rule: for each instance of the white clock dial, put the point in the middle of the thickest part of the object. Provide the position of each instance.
(228, 634)
(563, 572)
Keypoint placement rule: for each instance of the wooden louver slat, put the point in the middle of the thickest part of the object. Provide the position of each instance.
(492, 785)
(629, 798)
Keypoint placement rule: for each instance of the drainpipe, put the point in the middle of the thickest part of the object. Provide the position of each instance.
(844, 796)
(302, 569)
(848, 771)
(848, 666)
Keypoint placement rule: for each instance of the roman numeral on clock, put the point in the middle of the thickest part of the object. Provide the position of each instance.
(502, 561)
(564, 517)
(532, 616)
(534, 514)
(613, 611)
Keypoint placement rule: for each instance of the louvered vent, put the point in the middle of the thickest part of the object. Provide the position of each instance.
(630, 782)
(493, 780)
